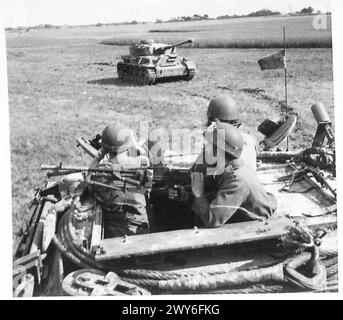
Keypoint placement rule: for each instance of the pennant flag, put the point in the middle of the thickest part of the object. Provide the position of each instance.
(274, 61)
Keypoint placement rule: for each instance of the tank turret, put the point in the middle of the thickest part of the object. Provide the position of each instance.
(150, 61)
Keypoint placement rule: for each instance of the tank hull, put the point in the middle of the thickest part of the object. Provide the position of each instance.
(147, 75)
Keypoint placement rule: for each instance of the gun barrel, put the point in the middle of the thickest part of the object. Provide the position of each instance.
(61, 169)
(177, 44)
(87, 147)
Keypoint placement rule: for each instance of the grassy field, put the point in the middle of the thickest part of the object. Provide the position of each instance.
(63, 85)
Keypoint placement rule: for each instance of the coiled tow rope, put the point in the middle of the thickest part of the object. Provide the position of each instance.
(214, 281)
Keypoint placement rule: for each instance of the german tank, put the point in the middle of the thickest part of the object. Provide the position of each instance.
(149, 62)
(63, 249)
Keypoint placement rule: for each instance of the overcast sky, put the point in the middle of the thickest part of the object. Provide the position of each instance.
(60, 12)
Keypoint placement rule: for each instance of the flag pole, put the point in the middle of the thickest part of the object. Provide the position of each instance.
(286, 89)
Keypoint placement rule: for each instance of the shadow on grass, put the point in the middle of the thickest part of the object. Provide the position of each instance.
(122, 83)
(110, 82)
(113, 82)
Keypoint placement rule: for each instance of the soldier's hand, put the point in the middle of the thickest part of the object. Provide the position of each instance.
(172, 193)
(198, 184)
(178, 193)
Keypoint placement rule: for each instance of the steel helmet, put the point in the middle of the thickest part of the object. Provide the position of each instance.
(116, 138)
(223, 108)
(231, 137)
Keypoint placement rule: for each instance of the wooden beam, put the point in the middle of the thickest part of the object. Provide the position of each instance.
(188, 239)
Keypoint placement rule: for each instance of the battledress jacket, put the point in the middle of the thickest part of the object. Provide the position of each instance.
(125, 212)
(239, 195)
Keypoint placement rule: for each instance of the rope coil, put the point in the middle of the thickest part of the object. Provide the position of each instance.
(214, 281)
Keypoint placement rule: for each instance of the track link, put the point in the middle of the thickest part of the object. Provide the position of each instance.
(136, 75)
(190, 75)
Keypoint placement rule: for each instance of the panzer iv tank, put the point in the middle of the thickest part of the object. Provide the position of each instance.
(149, 61)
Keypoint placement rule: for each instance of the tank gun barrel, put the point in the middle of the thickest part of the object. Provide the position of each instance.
(177, 44)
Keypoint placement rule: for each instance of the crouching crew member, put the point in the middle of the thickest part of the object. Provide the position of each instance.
(125, 212)
(239, 194)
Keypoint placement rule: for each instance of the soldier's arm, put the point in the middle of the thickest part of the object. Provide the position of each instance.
(228, 200)
(101, 154)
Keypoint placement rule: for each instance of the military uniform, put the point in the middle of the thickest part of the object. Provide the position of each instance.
(127, 215)
(249, 154)
(125, 212)
(240, 196)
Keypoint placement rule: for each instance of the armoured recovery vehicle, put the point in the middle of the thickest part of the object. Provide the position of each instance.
(63, 251)
(149, 62)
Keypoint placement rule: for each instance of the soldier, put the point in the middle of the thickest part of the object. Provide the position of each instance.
(125, 212)
(225, 109)
(239, 194)
(116, 143)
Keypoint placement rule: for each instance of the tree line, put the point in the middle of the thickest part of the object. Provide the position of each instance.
(195, 17)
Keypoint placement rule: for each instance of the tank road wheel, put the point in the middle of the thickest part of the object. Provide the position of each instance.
(149, 76)
(141, 77)
(136, 76)
(120, 71)
(190, 75)
(129, 75)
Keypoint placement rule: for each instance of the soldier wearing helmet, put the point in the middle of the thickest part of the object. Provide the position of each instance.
(225, 109)
(239, 194)
(116, 143)
(124, 211)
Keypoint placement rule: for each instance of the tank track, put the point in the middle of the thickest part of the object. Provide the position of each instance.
(136, 75)
(190, 75)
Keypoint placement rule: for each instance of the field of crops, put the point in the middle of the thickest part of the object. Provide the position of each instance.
(235, 33)
(63, 85)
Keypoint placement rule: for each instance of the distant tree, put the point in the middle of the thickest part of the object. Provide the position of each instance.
(99, 24)
(263, 13)
(185, 18)
(194, 17)
(226, 16)
(308, 10)
(134, 22)
(159, 21)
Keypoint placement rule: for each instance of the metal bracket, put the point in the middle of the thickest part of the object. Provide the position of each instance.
(92, 282)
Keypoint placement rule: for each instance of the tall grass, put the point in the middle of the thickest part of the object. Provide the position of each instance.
(174, 30)
(235, 33)
(236, 44)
